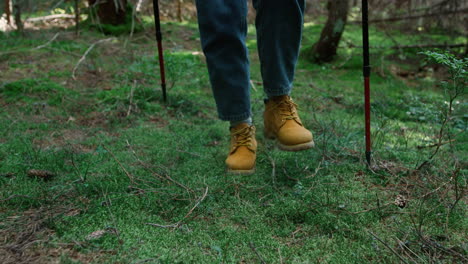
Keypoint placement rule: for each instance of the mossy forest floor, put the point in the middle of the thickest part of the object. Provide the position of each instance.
(122, 177)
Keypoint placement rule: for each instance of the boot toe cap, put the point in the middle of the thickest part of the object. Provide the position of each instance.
(294, 136)
(241, 160)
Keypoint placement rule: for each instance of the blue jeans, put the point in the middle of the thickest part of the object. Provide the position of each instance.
(223, 30)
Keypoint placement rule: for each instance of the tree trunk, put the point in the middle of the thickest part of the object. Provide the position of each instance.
(110, 11)
(179, 10)
(17, 15)
(77, 18)
(8, 11)
(325, 49)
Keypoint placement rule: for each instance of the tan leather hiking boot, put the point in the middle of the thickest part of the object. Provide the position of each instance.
(243, 149)
(282, 123)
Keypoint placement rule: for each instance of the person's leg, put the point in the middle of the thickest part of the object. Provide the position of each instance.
(279, 31)
(223, 29)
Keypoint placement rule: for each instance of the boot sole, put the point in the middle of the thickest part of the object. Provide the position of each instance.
(297, 147)
(241, 172)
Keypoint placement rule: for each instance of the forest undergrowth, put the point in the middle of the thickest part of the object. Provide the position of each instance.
(96, 168)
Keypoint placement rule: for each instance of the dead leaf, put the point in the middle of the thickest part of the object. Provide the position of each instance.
(96, 235)
(73, 212)
(8, 175)
(42, 174)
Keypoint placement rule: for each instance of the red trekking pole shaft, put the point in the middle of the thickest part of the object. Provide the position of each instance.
(366, 72)
(157, 23)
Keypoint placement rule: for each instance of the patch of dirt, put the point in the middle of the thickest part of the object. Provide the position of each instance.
(159, 121)
(389, 166)
(415, 69)
(69, 137)
(26, 238)
(93, 78)
(93, 119)
(73, 135)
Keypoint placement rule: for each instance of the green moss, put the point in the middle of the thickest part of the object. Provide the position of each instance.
(316, 206)
(35, 90)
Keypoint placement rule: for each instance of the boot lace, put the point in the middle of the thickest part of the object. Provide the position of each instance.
(287, 110)
(243, 137)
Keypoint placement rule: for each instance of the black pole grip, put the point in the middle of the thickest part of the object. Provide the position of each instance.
(365, 38)
(157, 20)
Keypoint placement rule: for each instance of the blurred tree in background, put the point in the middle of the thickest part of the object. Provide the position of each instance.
(110, 12)
(405, 15)
(325, 48)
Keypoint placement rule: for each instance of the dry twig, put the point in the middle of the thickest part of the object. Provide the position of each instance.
(36, 48)
(179, 223)
(130, 176)
(48, 42)
(319, 167)
(252, 246)
(14, 196)
(405, 247)
(162, 226)
(86, 54)
(196, 205)
(387, 246)
(166, 177)
(131, 98)
(253, 85)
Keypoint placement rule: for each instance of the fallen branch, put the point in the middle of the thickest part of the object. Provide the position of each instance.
(387, 246)
(405, 247)
(433, 244)
(50, 17)
(48, 42)
(86, 54)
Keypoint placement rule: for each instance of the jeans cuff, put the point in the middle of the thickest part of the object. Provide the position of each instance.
(277, 91)
(234, 118)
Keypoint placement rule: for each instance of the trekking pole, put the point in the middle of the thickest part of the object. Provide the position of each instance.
(366, 72)
(157, 22)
